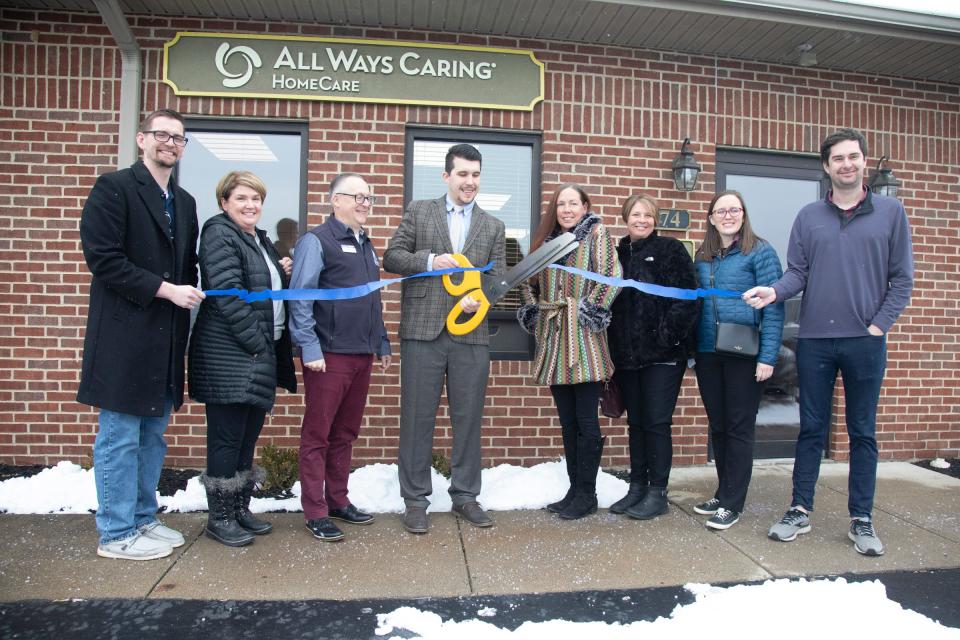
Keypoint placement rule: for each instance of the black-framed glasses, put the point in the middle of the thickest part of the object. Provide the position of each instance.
(164, 137)
(733, 212)
(359, 198)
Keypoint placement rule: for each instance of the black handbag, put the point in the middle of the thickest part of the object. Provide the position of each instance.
(737, 340)
(611, 402)
(734, 339)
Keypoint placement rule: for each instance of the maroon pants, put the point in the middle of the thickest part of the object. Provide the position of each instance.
(335, 400)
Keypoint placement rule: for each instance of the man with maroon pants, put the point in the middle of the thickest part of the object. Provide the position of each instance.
(337, 349)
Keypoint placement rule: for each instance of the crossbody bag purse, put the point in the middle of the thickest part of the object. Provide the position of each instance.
(734, 339)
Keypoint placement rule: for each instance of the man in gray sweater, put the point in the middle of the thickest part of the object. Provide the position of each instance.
(850, 255)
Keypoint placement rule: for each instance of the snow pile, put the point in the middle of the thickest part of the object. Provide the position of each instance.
(744, 612)
(67, 488)
(64, 488)
(939, 463)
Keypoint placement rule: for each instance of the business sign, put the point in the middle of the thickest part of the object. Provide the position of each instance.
(382, 71)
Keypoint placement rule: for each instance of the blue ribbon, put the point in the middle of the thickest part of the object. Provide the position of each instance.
(333, 294)
(368, 288)
(652, 289)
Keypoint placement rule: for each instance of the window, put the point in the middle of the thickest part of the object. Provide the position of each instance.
(275, 152)
(775, 186)
(509, 190)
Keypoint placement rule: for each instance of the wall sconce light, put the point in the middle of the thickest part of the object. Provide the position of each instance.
(685, 169)
(883, 181)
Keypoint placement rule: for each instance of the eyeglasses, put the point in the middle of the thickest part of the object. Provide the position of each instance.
(733, 212)
(163, 137)
(359, 198)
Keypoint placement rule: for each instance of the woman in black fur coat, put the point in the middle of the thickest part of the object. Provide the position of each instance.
(650, 339)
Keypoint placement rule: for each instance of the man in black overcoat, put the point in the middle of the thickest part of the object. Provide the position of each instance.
(139, 236)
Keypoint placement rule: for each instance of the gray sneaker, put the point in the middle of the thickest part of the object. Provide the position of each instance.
(864, 537)
(136, 547)
(793, 523)
(157, 531)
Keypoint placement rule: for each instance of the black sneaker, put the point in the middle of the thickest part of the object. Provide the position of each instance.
(324, 529)
(723, 519)
(351, 514)
(707, 508)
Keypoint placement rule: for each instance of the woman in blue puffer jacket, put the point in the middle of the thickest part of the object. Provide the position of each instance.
(733, 257)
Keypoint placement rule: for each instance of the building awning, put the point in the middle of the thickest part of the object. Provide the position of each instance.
(823, 34)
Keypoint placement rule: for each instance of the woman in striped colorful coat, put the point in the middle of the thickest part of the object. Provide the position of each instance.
(568, 314)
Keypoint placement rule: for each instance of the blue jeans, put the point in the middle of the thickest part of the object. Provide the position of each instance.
(862, 362)
(127, 459)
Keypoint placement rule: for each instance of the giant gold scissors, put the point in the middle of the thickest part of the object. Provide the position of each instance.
(488, 290)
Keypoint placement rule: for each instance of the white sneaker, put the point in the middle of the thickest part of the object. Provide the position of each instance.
(136, 547)
(157, 531)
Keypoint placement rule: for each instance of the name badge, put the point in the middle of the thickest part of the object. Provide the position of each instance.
(348, 248)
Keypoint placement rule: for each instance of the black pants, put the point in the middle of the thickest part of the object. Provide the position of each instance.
(731, 396)
(577, 407)
(650, 396)
(232, 432)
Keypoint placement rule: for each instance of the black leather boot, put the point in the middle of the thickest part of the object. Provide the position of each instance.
(584, 502)
(634, 495)
(241, 505)
(653, 504)
(570, 457)
(222, 523)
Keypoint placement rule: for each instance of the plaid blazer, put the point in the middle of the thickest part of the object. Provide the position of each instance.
(423, 231)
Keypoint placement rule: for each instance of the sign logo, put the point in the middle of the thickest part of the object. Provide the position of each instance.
(248, 55)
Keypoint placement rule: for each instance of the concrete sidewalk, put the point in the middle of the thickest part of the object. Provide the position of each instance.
(53, 557)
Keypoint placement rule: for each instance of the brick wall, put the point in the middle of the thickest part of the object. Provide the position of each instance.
(613, 119)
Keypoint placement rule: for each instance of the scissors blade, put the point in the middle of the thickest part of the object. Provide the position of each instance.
(497, 287)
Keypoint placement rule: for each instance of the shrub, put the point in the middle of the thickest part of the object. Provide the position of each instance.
(441, 464)
(282, 467)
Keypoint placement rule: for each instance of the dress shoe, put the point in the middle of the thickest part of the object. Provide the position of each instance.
(351, 514)
(415, 520)
(323, 529)
(473, 513)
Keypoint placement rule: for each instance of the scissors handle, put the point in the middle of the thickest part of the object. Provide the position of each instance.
(471, 279)
(463, 328)
(470, 285)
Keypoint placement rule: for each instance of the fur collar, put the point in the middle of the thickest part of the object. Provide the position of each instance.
(582, 230)
(626, 244)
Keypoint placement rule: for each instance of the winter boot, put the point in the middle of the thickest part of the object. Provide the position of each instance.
(570, 456)
(653, 504)
(241, 506)
(589, 450)
(222, 523)
(634, 495)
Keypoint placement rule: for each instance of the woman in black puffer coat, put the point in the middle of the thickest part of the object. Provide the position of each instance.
(650, 339)
(239, 353)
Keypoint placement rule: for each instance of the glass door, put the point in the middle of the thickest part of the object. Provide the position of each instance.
(774, 187)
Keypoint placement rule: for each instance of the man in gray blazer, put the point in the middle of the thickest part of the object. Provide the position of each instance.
(430, 232)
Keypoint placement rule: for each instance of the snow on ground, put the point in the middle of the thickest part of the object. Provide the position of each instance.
(68, 488)
(839, 609)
